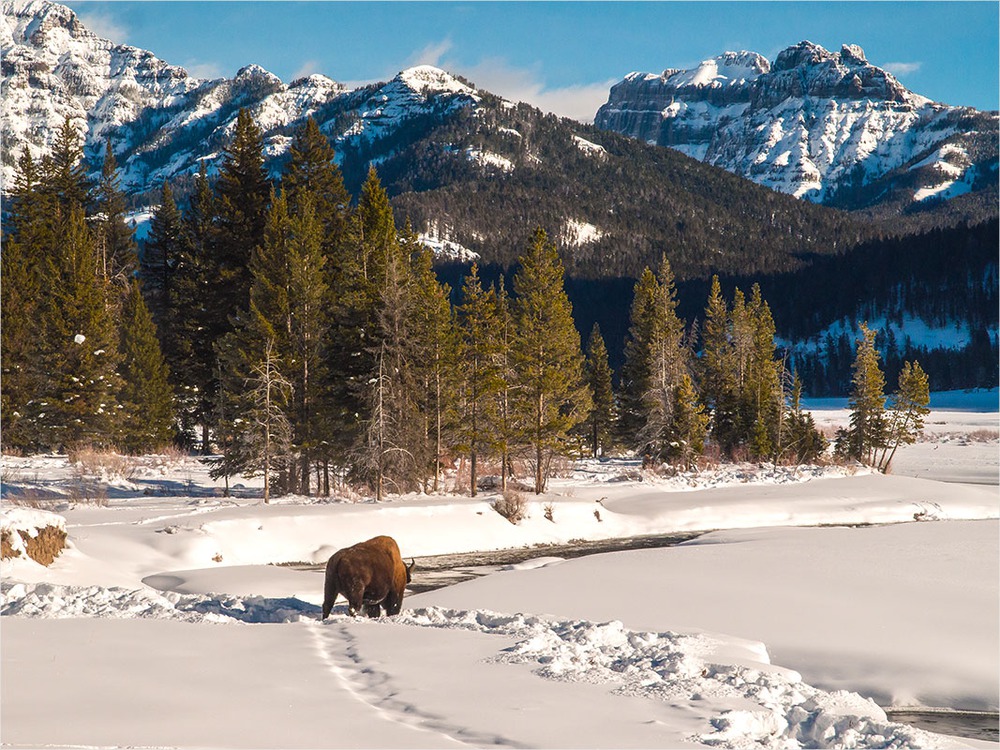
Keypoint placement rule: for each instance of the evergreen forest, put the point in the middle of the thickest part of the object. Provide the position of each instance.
(288, 329)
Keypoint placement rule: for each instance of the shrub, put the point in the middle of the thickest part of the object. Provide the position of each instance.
(512, 505)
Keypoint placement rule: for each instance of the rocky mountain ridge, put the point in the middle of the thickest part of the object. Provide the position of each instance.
(828, 127)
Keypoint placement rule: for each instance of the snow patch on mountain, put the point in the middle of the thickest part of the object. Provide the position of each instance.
(815, 124)
(578, 233)
(589, 147)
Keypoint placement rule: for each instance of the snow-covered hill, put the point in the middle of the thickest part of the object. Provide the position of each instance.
(826, 126)
(161, 122)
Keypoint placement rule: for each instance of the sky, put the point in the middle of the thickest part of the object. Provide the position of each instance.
(560, 56)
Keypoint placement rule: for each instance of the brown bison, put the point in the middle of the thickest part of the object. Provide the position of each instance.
(370, 575)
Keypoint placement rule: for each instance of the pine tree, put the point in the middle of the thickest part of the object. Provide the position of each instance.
(667, 364)
(308, 327)
(19, 294)
(508, 428)
(161, 256)
(906, 412)
(114, 238)
(480, 327)
(601, 421)
(77, 346)
(312, 170)
(547, 357)
(436, 355)
(635, 376)
(867, 432)
(689, 425)
(146, 396)
(762, 395)
(194, 328)
(242, 192)
(64, 175)
(719, 387)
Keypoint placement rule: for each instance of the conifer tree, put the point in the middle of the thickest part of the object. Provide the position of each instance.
(77, 345)
(762, 395)
(19, 294)
(719, 387)
(113, 237)
(508, 428)
(547, 355)
(906, 412)
(161, 257)
(667, 364)
(600, 422)
(242, 192)
(477, 317)
(194, 330)
(867, 432)
(635, 376)
(312, 170)
(24, 244)
(64, 173)
(146, 397)
(689, 426)
(436, 355)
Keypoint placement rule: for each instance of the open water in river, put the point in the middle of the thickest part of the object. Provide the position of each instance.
(437, 571)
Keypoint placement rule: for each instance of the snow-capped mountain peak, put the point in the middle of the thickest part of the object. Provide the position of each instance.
(830, 127)
(427, 79)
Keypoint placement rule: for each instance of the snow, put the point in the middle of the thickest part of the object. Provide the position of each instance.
(589, 147)
(578, 233)
(775, 631)
(489, 159)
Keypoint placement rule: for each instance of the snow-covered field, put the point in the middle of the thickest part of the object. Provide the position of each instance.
(790, 623)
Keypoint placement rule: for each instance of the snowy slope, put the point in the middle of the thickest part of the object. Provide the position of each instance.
(764, 637)
(161, 122)
(816, 124)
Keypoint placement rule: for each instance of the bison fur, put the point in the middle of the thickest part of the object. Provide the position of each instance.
(370, 575)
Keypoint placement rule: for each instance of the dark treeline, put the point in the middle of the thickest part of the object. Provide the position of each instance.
(943, 277)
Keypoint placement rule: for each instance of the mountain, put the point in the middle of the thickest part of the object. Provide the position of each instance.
(828, 127)
(472, 171)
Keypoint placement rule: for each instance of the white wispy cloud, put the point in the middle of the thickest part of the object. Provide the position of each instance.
(577, 101)
(306, 69)
(432, 54)
(200, 69)
(902, 68)
(105, 26)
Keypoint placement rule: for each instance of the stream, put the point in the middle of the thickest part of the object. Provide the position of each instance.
(437, 571)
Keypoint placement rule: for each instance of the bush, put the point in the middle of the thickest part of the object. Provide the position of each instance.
(43, 548)
(512, 505)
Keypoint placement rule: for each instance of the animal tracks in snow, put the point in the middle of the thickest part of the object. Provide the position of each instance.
(338, 648)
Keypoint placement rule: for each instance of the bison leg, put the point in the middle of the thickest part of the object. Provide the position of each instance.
(373, 610)
(329, 598)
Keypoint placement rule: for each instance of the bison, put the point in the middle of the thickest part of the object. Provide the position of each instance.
(370, 575)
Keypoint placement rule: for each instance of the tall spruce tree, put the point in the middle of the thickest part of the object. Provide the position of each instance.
(146, 397)
(907, 410)
(436, 356)
(547, 356)
(601, 420)
(113, 236)
(480, 327)
(719, 387)
(242, 191)
(867, 432)
(77, 345)
(763, 396)
(635, 373)
(667, 364)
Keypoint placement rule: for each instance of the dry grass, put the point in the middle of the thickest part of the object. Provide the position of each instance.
(512, 505)
(43, 548)
(92, 462)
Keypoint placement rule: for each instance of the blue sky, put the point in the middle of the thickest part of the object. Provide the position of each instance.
(560, 56)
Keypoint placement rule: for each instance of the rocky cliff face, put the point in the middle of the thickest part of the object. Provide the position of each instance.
(826, 126)
(161, 122)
